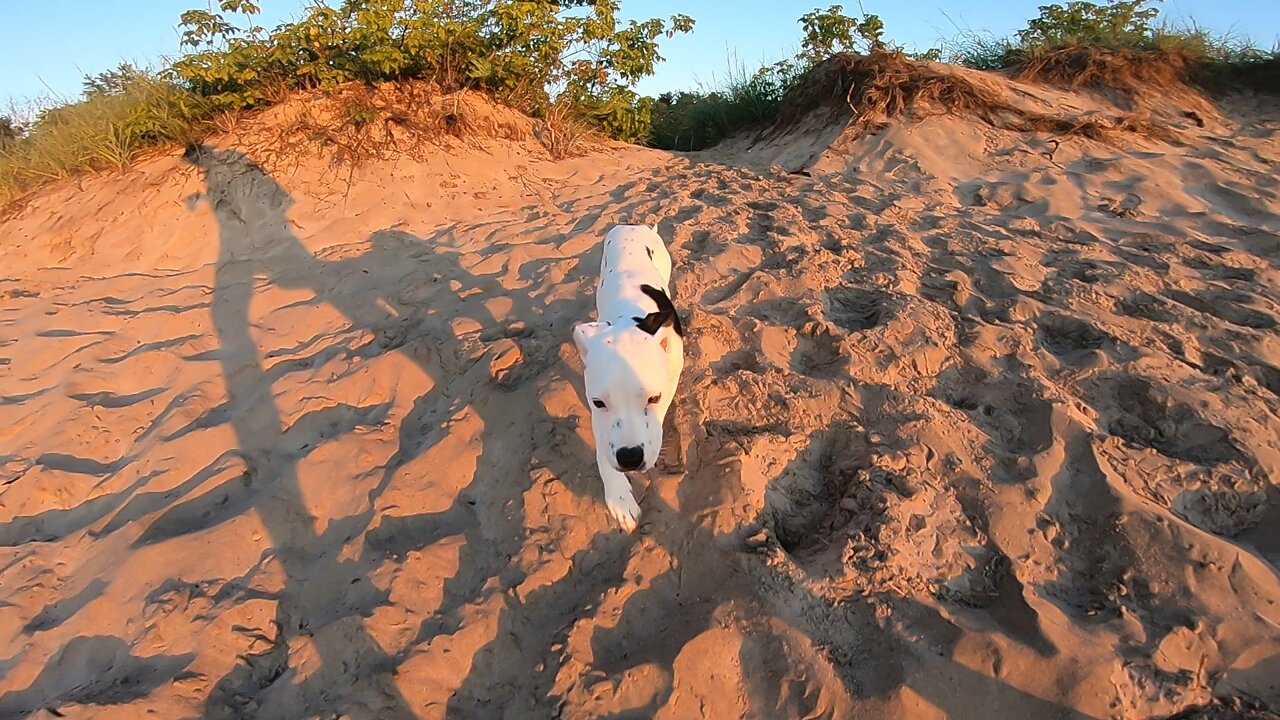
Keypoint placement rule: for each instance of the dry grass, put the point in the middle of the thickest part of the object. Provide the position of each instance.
(351, 126)
(1127, 77)
(564, 134)
(357, 124)
(869, 90)
(106, 132)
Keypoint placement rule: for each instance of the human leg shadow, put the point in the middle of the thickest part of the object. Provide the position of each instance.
(381, 293)
(96, 670)
(323, 596)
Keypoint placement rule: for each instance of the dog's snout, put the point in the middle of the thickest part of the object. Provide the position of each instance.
(630, 458)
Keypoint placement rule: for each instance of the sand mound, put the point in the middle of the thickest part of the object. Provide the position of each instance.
(1136, 77)
(355, 124)
(851, 97)
(973, 425)
(870, 90)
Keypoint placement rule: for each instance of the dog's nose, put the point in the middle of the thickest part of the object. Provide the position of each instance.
(630, 458)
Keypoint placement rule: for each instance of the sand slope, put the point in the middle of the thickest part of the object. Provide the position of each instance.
(971, 427)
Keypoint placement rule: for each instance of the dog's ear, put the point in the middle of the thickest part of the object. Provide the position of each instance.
(665, 315)
(652, 322)
(582, 334)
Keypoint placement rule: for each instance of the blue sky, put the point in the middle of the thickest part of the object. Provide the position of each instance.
(46, 47)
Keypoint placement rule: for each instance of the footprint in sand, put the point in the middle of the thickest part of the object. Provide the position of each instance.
(1141, 414)
(818, 352)
(802, 503)
(1145, 306)
(1069, 338)
(1226, 305)
(1267, 375)
(856, 309)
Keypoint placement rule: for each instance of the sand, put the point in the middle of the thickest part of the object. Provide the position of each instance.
(973, 425)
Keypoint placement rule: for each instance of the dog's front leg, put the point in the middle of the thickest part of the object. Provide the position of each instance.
(617, 495)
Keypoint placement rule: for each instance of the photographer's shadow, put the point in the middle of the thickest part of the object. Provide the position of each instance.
(391, 292)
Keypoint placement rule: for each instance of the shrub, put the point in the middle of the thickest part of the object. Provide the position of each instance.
(515, 50)
(1119, 23)
(1128, 31)
(830, 31)
(573, 58)
(697, 120)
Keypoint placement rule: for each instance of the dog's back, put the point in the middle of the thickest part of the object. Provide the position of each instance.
(634, 255)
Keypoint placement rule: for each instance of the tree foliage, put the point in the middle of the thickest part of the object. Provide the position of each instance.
(520, 51)
(1122, 23)
(827, 32)
(696, 120)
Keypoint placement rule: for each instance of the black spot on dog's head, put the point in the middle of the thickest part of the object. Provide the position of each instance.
(650, 251)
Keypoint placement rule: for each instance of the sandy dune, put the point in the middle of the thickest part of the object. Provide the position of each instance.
(973, 425)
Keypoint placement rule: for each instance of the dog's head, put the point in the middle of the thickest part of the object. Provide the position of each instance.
(628, 372)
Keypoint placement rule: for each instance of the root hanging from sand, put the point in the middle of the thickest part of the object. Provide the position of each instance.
(1129, 78)
(354, 125)
(869, 90)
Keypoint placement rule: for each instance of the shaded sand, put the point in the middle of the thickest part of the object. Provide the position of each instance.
(971, 426)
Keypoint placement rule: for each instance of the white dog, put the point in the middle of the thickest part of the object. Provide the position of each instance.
(632, 356)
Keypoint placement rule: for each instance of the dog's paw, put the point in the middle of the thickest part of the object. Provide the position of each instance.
(625, 510)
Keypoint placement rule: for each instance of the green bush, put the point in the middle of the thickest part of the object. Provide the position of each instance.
(1119, 23)
(516, 50)
(575, 56)
(697, 120)
(1115, 24)
(1122, 25)
(827, 32)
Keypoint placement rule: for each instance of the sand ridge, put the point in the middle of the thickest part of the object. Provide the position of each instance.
(971, 425)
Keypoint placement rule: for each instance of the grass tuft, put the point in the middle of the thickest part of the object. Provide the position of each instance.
(695, 120)
(107, 129)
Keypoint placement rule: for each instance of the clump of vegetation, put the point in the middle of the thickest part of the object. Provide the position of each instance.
(572, 63)
(521, 53)
(867, 90)
(1120, 45)
(697, 120)
(121, 114)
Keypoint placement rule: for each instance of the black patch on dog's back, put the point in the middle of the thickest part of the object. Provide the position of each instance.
(666, 313)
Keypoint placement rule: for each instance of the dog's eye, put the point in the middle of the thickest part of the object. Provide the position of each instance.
(598, 403)
(653, 400)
